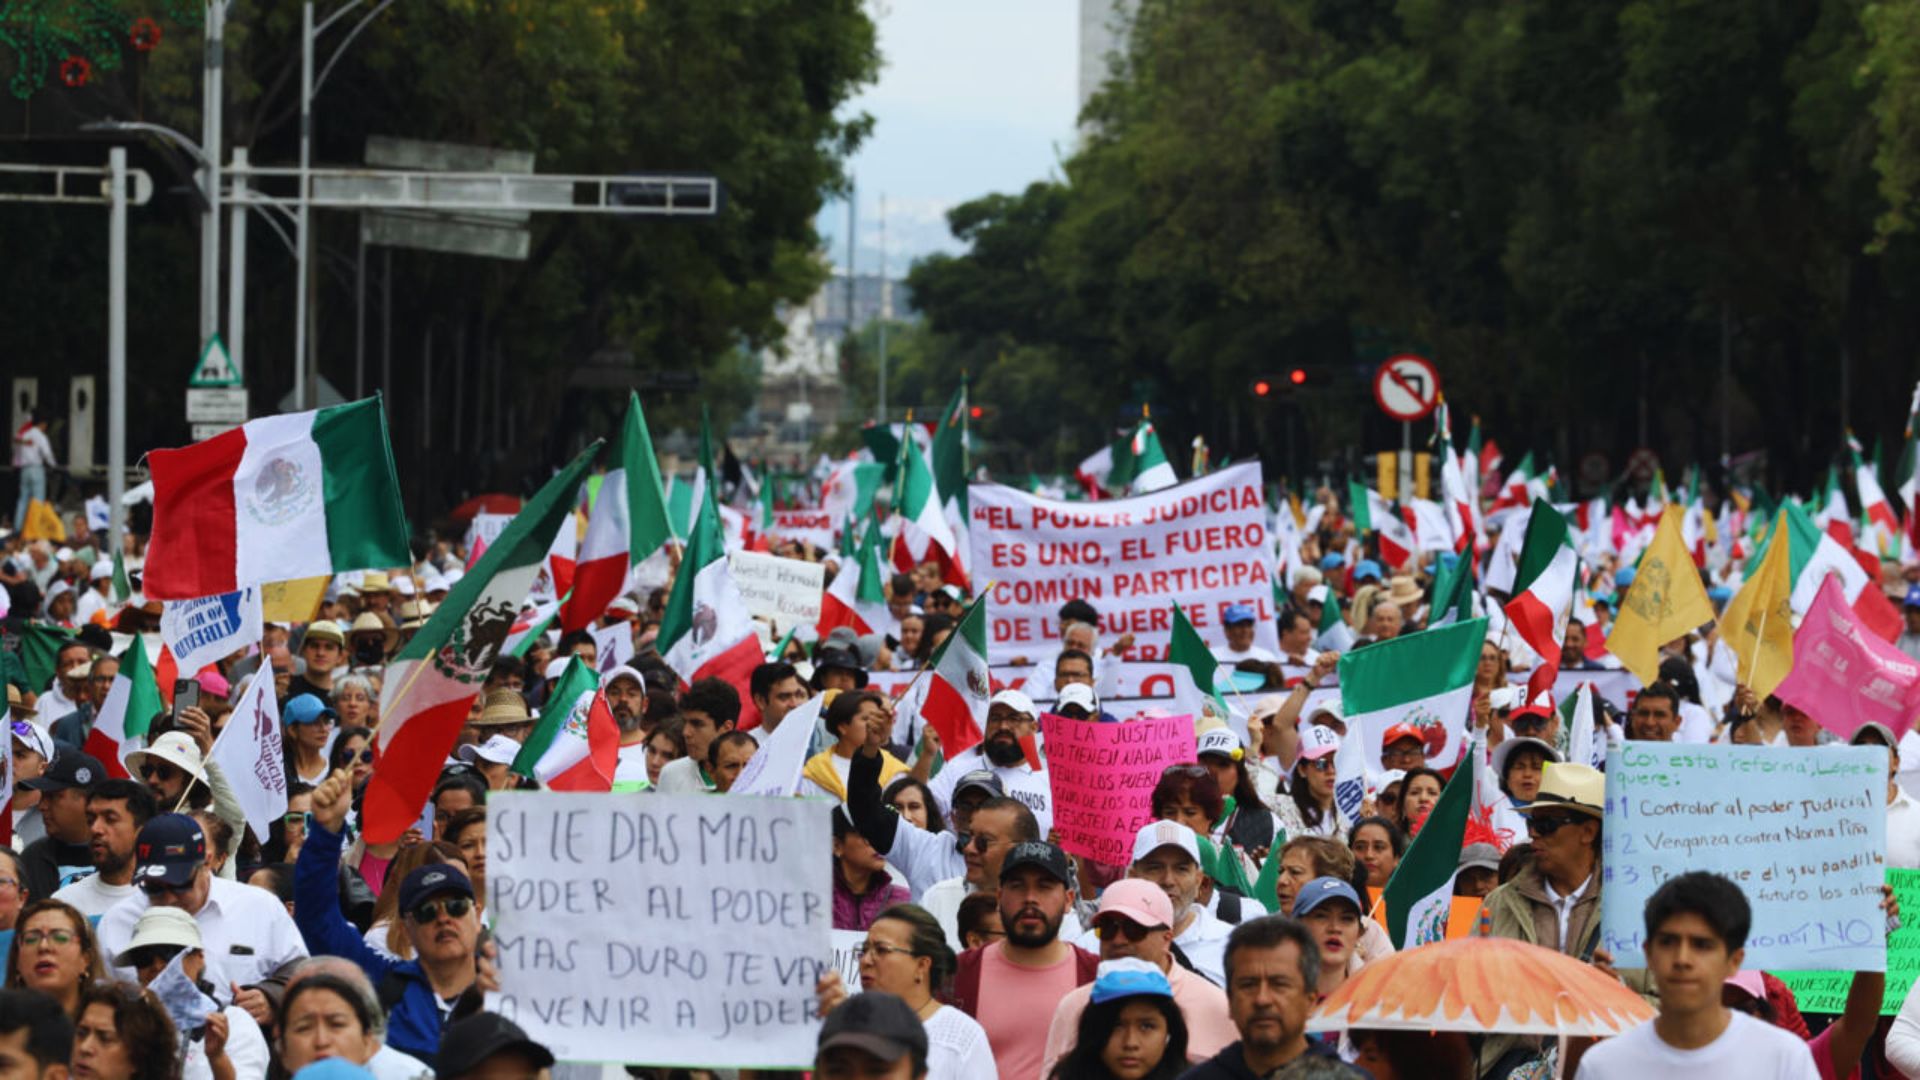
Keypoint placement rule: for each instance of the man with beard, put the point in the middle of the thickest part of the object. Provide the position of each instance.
(627, 698)
(1012, 986)
(995, 828)
(776, 689)
(1011, 718)
(61, 856)
(1165, 853)
(116, 810)
(1272, 968)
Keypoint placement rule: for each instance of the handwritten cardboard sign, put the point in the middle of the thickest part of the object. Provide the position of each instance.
(1802, 832)
(1826, 991)
(659, 929)
(785, 592)
(1103, 777)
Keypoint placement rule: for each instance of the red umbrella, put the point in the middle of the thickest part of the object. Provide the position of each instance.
(495, 503)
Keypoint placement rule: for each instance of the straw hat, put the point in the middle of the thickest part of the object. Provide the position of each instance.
(504, 708)
(1572, 787)
(375, 581)
(1404, 591)
(369, 622)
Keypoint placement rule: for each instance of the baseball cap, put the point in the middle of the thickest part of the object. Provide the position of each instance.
(1237, 613)
(877, 1022)
(1155, 835)
(1623, 577)
(307, 709)
(1749, 979)
(1875, 726)
(1484, 856)
(1322, 889)
(68, 769)
(101, 571)
(1332, 560)
(1128, 977)
(1317, 742)
(1139, 900)
(1913, 597)
(1329, 706)
(432, 880)
(1366, 569)
(1222, 741)
(1401, 731)
(467, 1043)
(497, 750)
(324, 631)
(1015, 700)
(1041, 854)
(1077, 694)
(160, 926)
(170, 849)
(984, 779)
(623, 605)
(33, 738)
(334, 1068)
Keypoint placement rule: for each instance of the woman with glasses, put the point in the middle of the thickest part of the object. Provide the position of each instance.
(229, 1046)
(913, 800)
(54, 952)
(290, 832)
(1245, 822)
(123, 1033)
(906, 955)
(387, 935)
(1308, 809)
(353, 751)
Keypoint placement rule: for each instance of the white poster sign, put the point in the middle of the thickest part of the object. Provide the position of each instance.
(1203, 543)
(671, 930)
(209, 628)
(785, 592)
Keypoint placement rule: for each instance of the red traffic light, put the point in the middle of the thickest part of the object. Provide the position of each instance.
(1297, 376)
(976, 412)
(1261, 388)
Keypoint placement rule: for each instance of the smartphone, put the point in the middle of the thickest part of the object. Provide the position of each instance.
(186, 695)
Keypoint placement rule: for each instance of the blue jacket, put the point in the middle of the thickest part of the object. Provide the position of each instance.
(414, 1022)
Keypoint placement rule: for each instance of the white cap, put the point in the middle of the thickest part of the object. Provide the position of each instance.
(1221, 740)
(1155, 835)
(403, 584)
(1077, 694)
(34, 738)
(1015, 700)
(624, 671)
(1317, 594)
(1317, 742)
(433, 582)
(498, 749)
(625, 604)
(1327, 707)
(63, 553)
(453, 576)
(555, 666)
(102, 570)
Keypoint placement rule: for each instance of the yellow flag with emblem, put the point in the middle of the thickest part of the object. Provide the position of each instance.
(1665, 601)
(1758, 624)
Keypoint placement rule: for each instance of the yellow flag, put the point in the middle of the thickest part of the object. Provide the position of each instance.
(1665, 601)
(293, 601)
(1758, 624)
(43, 523)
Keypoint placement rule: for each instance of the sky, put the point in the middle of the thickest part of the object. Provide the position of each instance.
(974, 96)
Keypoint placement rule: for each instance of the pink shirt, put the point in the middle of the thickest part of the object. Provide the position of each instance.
(1202, 1004)
(1016, 1005)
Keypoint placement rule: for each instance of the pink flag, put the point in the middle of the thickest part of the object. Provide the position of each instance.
(1844, 675)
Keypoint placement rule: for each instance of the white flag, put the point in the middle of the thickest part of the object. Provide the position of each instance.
(249, 754)
(201, 631)
(775, 768)
(613, 645)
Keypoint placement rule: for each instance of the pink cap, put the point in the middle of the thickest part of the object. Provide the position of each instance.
(1139, 900)
(1748, 979)
(213, 683)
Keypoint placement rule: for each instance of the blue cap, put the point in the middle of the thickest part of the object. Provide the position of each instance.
(1365, 569)
(1719, 594)
(1237, 613)
(1332, 560)
(1322, 889)
(307, 709)
(1913, 596)
(333, 1068)
(1129, 978)
(170, 850)
(1623, 577)
(431, 880)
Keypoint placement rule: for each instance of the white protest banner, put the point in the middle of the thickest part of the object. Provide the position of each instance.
(785, 592)
(198, 632)
(847, 947)
(811, 526)
(251, 754)
(672, 930)
(1203, 543)
(1802, 832)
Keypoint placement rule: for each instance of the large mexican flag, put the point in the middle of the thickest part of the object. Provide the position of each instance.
(1424, 679)
(706, 632)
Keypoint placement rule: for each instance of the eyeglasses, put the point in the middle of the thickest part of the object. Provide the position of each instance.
(364, 757)
(883, 950)
(1108, 929)
(302, 818)
(1547, 825)
(977, 842)
(429, 910)
(34, 937)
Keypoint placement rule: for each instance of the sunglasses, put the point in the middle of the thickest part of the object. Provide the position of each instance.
(156, 770)
(1108, 929)
(1186, 770)
(155, 889)
(1548, 824)
(1322, 764)
(157, 954)
(1528, 724)
(429, 910)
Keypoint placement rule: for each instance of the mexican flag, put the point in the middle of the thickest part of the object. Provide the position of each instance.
(924, 531)
(1419, 895)
(1194, 672)
(1884, 530)
(1333, 632)
(576, 746)
(1424, 679)
(281, 497)
(1453, 593)
(706, 632)
(949, 463)
(1513, 493)
(847, 491)
(1583, 738)
(1906, 473)
(857, 597)
(1373, 513)
(1093, 470)
(1151, 469)
(132, 703)
(953, 695)
(1543, 582)
(432, 683)
(1813, 554)
(1461, 509)
(629, 522)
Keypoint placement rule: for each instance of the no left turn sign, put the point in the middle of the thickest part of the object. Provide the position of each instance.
(1407, 387)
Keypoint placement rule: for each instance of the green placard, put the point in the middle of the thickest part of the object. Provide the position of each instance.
(1826, 991)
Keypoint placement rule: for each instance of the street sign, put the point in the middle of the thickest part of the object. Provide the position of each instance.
(1406, 387)
(217, 405)
(215, 367)
(203, 432)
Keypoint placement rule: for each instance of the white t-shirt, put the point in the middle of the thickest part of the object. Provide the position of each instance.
(633, 765)
(94, 897)
(32, 448)
(1903, 831)
(1227, 656)
(681, 776)
(957, 1047)
(1749, 1049)
(1020, 781)
(246, 1049)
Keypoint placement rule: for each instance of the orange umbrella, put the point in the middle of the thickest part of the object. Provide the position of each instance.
(1481, 984)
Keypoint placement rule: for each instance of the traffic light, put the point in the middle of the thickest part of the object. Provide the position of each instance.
(1298, 376)
(1262, 388)
(976, 412)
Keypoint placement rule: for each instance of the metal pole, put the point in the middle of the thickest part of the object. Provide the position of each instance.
(116, 343)
(210, 123)
(300, 238)
(360, 309)
(237, 267)
(1406, 463)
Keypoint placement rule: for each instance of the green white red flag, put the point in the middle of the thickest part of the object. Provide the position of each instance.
(132, 702)
(857, 596)
(1373, 513)
(629, 522)
(952, 697)
(1194, 672)
(1419, 895)
(1151, 469)
(576, 745)
(1424, 679)
(1543, 582)
(924, 531)
(706, 632)
(431, 684)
